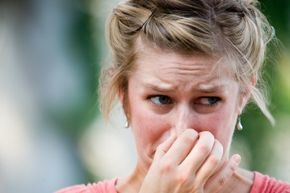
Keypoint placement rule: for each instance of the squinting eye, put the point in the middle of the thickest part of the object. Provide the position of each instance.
(210, 101)
(161, 100)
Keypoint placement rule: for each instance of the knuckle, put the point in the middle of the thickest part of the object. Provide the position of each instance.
(197, 186)
(204, 149)
(213, 160)
(166, 167)
(184, 178)
(181, 178)
(221, 181)
(159, 149)
(233, 168)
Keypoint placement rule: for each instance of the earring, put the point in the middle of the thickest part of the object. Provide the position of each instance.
(126, 124)
(239, 125)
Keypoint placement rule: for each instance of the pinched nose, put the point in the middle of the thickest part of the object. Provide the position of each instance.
(183, 118)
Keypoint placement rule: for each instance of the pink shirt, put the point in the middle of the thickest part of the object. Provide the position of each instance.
(107, 186)
(265, 184)
(262, 184)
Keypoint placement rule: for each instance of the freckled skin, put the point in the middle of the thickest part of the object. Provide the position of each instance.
(152, 124)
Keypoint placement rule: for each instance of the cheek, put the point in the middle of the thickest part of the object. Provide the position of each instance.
(149, 128)
(220, 124)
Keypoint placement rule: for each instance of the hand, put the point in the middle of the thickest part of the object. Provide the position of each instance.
(223, 180)
(183, 164)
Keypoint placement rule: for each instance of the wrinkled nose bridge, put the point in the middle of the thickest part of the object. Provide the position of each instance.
(183, 119)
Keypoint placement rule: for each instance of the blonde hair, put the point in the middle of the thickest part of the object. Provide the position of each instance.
(233, 28)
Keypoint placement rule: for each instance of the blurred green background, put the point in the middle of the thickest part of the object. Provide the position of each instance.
(51, 132)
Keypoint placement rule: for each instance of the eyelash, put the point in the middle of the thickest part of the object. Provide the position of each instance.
(169, 101)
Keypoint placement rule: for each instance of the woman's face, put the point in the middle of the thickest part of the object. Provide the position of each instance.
(169, 92)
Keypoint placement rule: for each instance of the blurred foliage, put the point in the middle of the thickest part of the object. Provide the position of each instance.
(83, 47)
(84, 44)
(278, 13)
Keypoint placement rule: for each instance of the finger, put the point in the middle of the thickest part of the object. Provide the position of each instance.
(182, 146)
(199, 153)
(223, 175)
(211, 164)
(164, 146)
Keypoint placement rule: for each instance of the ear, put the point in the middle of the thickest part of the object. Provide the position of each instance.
(245, 93)
(123, 97)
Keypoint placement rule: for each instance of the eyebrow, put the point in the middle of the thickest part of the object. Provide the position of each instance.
(205, 88)
(160, 88)
(210, 88)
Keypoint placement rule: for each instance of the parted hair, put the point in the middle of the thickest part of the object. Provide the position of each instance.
(236, 29)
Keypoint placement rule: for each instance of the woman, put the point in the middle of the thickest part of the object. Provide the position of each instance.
(184, 71)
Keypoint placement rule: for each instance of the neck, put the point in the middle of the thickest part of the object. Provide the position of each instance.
(131, 183)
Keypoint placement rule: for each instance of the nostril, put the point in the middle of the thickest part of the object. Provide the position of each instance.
(196, 129)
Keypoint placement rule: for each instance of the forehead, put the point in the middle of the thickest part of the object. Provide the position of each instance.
(154, 64)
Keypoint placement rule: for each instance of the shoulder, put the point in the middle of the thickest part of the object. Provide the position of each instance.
(265, 184)
(106, 186)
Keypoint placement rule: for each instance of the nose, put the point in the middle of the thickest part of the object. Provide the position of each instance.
(183, 118)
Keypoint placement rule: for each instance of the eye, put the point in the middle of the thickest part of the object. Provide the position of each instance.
(160, 100)
(208, 101)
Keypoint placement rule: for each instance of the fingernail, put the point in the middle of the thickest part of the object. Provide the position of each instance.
(237, 159)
